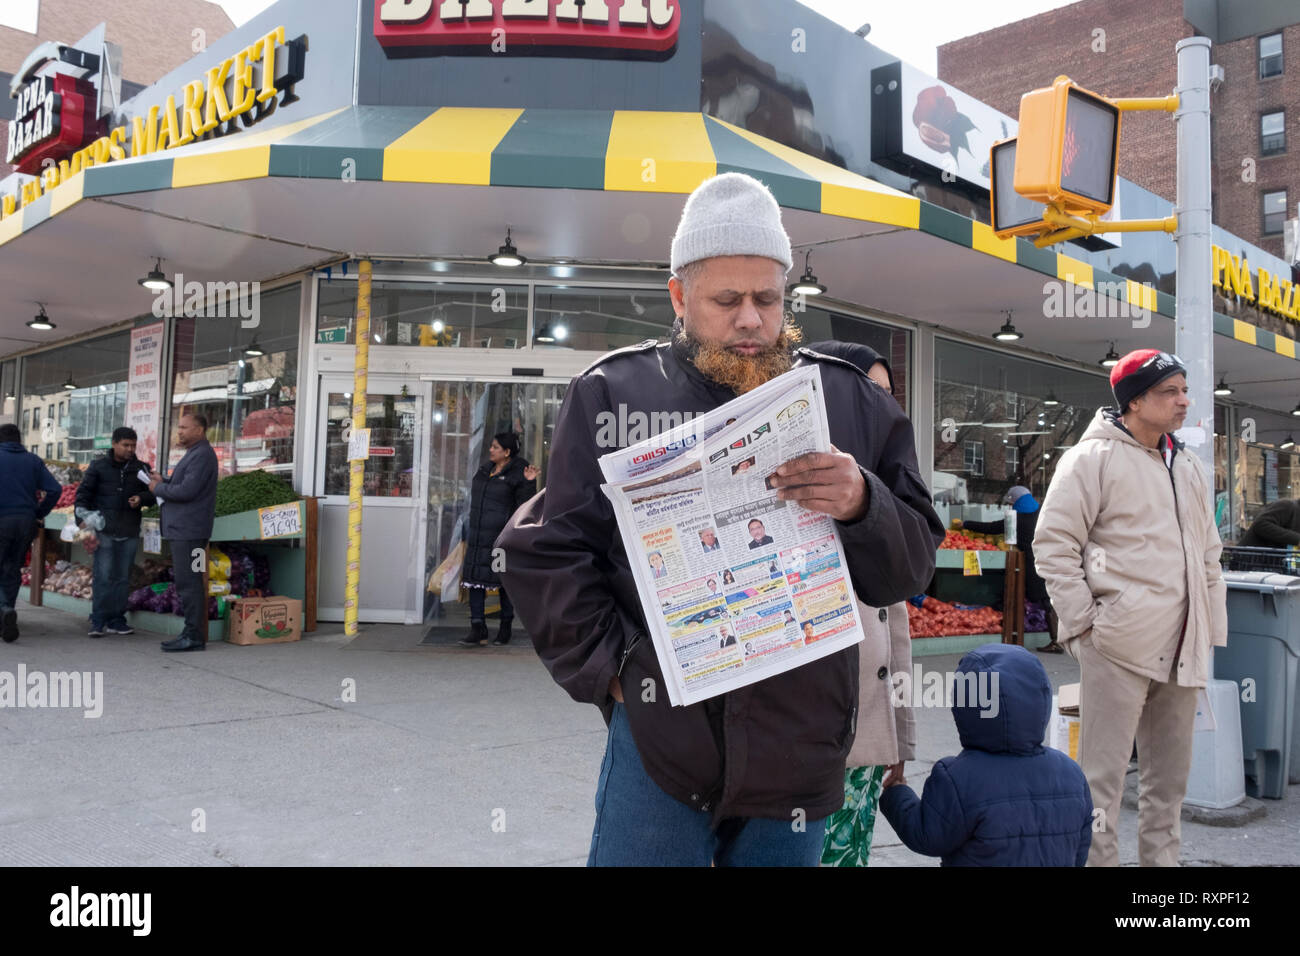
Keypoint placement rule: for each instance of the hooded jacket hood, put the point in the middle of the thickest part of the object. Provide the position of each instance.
(13, 447)
(1002, 700)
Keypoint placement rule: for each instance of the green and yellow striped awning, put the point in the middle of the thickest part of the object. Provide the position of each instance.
(613, 150)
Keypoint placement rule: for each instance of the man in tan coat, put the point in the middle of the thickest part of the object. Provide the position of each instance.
(1130, 552)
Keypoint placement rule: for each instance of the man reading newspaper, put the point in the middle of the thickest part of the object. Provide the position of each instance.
(745, 777)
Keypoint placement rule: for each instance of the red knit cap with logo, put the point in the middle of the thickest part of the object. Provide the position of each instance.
(1142, 370)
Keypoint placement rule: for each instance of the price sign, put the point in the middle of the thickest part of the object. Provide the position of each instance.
(359, 444)
(152, 534)
(971, 564)
(280, 521)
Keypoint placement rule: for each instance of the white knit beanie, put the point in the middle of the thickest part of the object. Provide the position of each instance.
(730, 215)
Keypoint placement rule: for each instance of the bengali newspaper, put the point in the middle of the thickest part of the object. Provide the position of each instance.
(736, 585)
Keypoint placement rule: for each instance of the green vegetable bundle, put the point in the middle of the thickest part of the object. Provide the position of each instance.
(251, 489)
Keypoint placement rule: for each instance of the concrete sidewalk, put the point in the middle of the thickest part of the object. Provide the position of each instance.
(375, 750)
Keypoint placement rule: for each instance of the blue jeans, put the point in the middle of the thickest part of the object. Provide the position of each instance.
(113, 562)
(637, 824)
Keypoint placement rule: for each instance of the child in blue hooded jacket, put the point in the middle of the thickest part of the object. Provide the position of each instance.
(1005, 800)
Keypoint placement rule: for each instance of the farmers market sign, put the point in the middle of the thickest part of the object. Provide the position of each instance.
(238, 92)
(511, 26)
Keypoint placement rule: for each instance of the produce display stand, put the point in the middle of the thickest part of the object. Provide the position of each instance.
(1002, 574)
(293, 569)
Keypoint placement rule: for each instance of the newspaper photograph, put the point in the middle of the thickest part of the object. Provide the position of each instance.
(736, 585)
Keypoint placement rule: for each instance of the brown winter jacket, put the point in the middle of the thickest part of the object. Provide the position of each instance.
(1131, 550)
(773, 747)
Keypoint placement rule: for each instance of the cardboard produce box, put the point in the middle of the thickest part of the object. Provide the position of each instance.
(1063, 724)
(273, 620)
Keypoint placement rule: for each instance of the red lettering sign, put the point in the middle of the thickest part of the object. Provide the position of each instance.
(506, 26)
(72, 124)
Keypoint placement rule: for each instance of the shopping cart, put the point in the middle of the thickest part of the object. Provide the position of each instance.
(1276, 560)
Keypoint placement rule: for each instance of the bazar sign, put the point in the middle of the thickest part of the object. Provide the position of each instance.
(54, 115)
(241, 89)
(1276, 294)
(502, 25)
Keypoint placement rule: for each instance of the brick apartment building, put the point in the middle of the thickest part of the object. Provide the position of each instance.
(1126, 48)
(155, 36)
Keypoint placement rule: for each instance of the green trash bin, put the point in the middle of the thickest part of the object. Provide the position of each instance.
(1263, 657)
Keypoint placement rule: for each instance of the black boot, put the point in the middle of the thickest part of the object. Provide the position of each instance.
(478, 635)
(503, 632)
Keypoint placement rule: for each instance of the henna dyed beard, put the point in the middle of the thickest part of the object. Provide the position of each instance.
(742, 373)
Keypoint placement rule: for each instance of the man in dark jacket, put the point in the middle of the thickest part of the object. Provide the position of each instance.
(1278, 526)
(742, 778)
(22, 474)
(189, 502)
(112, 487)
(1005, 800)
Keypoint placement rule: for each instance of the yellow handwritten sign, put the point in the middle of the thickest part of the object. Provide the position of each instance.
(970, 565)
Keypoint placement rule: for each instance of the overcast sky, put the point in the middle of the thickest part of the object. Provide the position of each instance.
(911, 31)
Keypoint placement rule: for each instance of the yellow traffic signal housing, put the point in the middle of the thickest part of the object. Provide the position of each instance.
(1012, 213)
(1068, 149)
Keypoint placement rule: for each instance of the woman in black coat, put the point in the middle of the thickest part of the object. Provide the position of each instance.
(500, 487)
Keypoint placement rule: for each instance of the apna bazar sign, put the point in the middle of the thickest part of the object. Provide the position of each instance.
(506, 26)
(238, 92)
(1269, 292)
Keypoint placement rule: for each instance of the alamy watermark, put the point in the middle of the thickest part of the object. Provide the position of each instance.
(82, 690)
(210, 300)
(1107, 300)
(621, 428)
(921, 688)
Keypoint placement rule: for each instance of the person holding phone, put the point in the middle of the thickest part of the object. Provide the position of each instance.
(112, 487)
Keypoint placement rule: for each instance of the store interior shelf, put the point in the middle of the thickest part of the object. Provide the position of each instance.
(989, 560)
(961, 643)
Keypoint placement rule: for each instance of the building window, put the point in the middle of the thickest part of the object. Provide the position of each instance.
(1055, 405)
(1272, 133)
(59, 452)
(1274, 212)
(49, 452)
(1270, 55)
(34, 447)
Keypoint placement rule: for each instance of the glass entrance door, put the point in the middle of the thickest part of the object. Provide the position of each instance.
(463, 418)
(393, 502)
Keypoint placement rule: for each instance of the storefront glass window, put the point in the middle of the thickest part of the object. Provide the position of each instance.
(77, 394)
(8, 393)
(429, 314)
(1001, 420)
(465, 417)
(244, 380)
(599, 320)
(821, 325)
(389, 471)
(1270, 474)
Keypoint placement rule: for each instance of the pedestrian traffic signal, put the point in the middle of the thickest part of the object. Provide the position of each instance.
(1012, 213)
(1068, 148)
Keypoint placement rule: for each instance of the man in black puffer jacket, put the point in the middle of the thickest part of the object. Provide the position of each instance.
(111, 488)
(745, 777)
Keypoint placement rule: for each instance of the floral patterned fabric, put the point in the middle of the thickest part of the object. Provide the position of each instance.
(849, 829)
